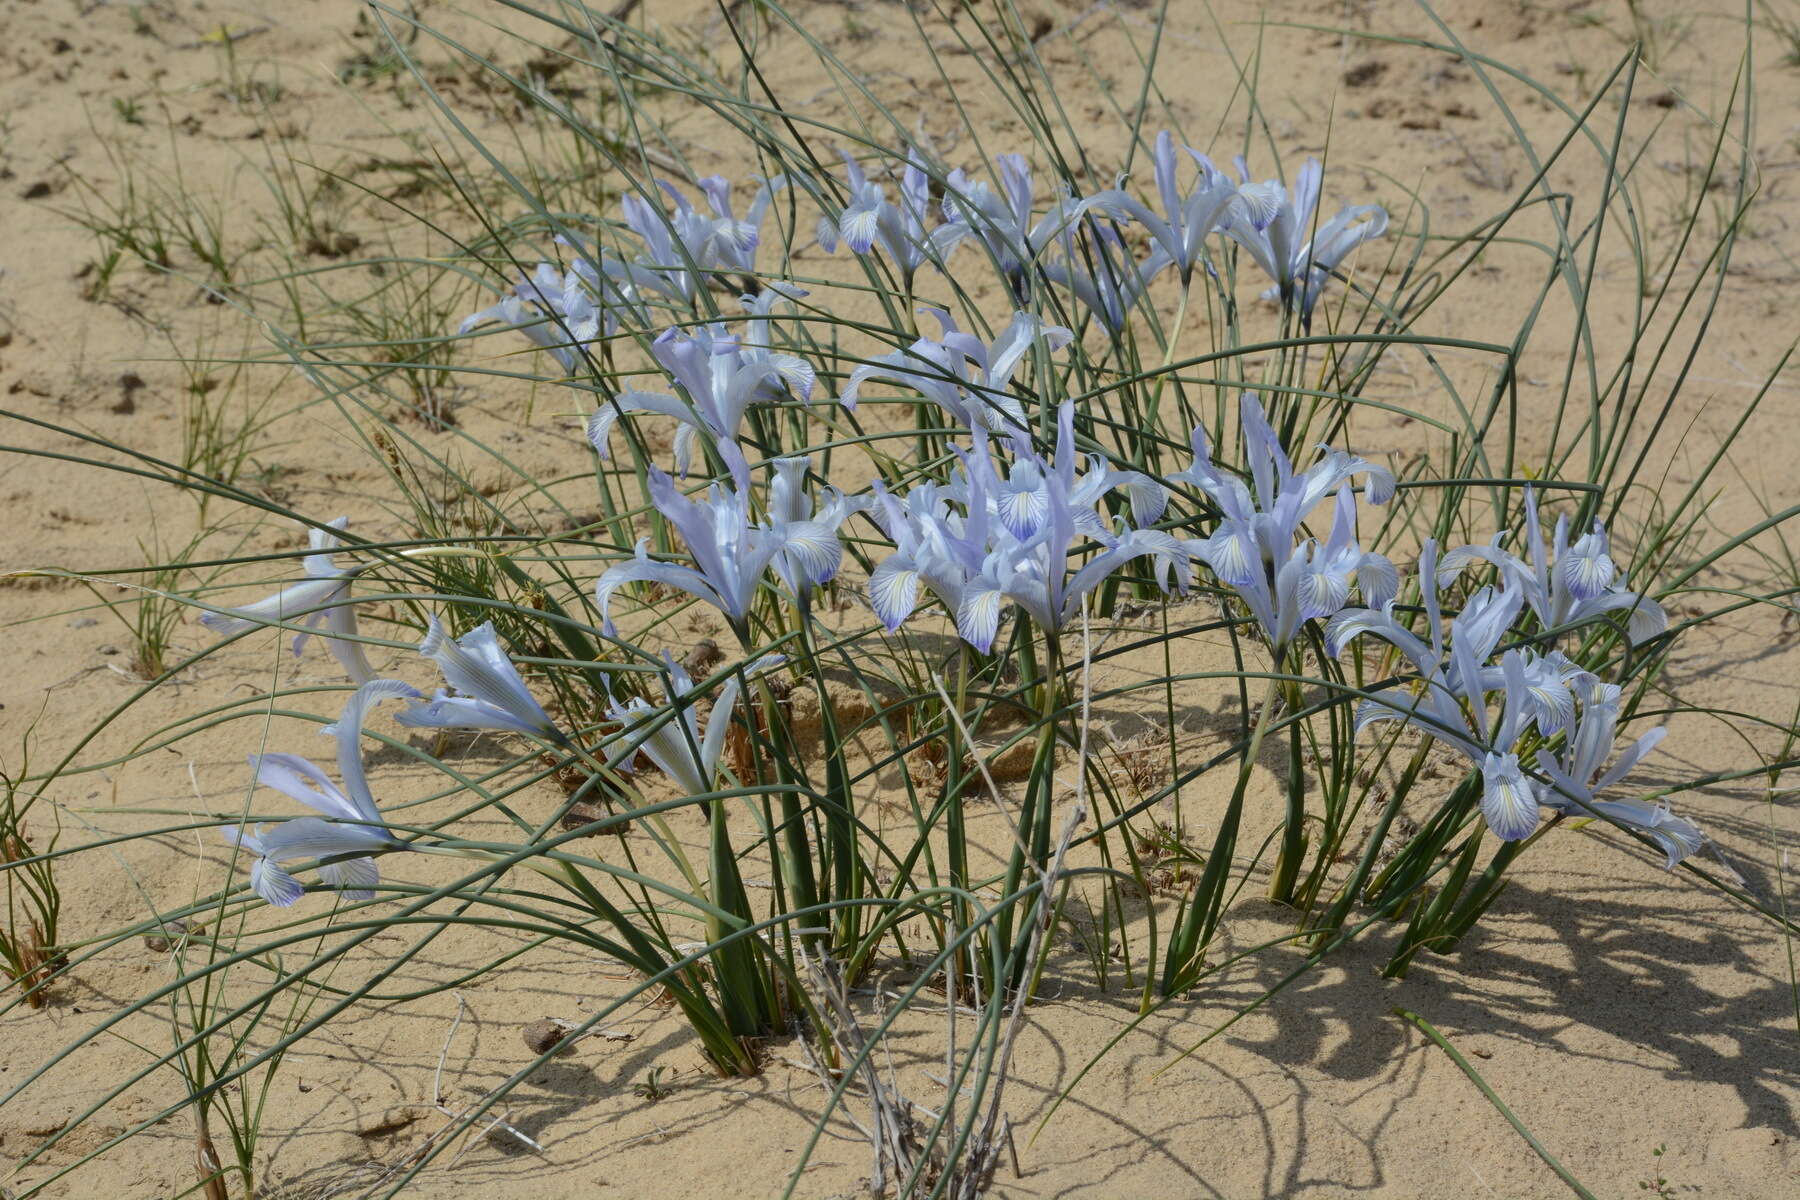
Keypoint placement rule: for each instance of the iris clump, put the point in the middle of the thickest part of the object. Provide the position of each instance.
(1027, 509)
(877, 486)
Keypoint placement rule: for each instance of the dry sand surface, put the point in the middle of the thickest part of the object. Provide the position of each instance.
(1616, 1008)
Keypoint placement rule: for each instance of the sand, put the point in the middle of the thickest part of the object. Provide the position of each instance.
(1640, 1024)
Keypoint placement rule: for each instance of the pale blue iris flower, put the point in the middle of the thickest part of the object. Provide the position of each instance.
(354, 832)
(1580, 774)
(999, 219)
(1451, 700)
(1180, 231)
(1097, 266)
(1256, 548)
(721, 377)
(959, 373)
(935, 546)
(322, 598)
(1002, 220)
(1039, 515)
(810, 558)
(871, 219)
(674, 740)
(731, 552)
(486, 690)
(562, 312)
(682, 248)
(1288, 247)
(1579, 584)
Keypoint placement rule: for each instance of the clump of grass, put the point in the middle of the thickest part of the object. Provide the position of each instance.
(29, 949)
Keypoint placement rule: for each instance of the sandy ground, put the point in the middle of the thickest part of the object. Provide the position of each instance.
(1616, 1009)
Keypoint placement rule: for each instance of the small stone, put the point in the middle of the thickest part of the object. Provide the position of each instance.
(388, 1121)
(109, 649)
(36, 191)
(545, 1035)
(158, 941)
(83, 622)
(1482, 1052)
(1365, 73)
(700, 659)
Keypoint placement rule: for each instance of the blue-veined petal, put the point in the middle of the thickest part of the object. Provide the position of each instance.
(644, 569)
(1382, 623)
(1586, 569)
(1508, 798)
(978, 617)
(1676, 837)
(894, 591)
(1377, 579)
(1023, 503)
(814, 548)
(355, 877)
(861, 222)
(273, 884)
(1232, 554)
(1322, 592)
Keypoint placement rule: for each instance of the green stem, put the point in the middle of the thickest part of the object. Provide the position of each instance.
(1194, 928)
(1293, 830)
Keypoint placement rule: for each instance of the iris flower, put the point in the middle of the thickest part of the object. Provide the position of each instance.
(1451, 702)
(487, 692)
(561, 312)
(959, 373)
(870, 218)
(1297, 256)
(1001, 219)
(1254, 549)
(731, 552)
(676, 744)
(934, 545)
(1038, 516)
(354, 832)
(323, 597)
(1578, 585)
(722, 379)
(1097, 266)
(791, 507)
(1180, 231)
(1580, 774)
(685, 246)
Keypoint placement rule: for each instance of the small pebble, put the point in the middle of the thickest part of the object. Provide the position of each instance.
(159, 941)
(83, 622)
(544, 1035)
(109, 649)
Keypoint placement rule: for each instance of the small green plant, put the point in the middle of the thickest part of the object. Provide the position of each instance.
(28, 937)
(1657, 1184)
(651, 1088)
